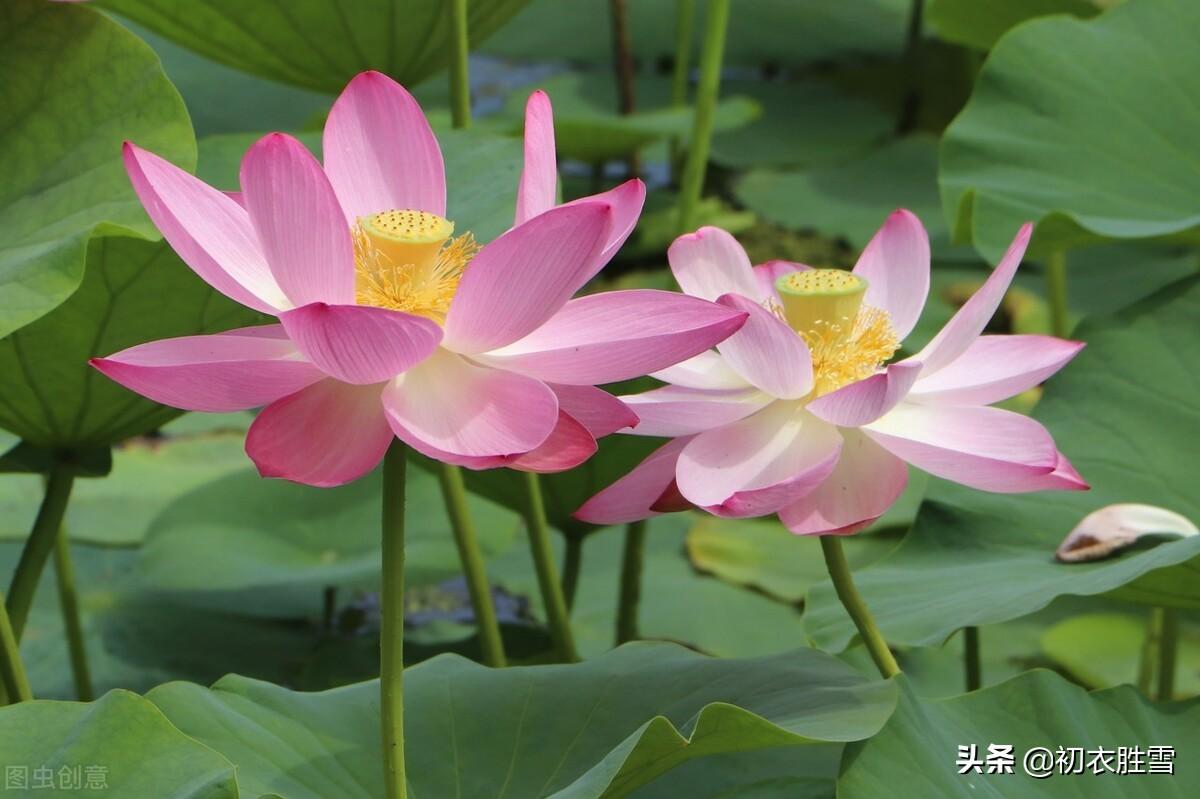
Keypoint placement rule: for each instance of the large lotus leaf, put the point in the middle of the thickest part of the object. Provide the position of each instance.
(51, 397)
(596, 729)
(803, 123)
(677, 603)
(322, 44)
(120, 746)
(852, 199)
(75, 85)
(808, 772)
(1028, 144)
(916, 753)
(1100, 650)
(1118, 411)
(979, 23)
(482, 172)
(221, 99)
(270, 547)
(147, 474)
(761, 33)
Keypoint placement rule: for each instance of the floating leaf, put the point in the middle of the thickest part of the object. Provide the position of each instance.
(269, 547)
(320, 44)
(1027, 145)
(977, 558)
(75, 85)
(1037, 709)
(596, 729)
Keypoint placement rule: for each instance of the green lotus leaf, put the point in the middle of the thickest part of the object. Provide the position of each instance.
(979, 23)
(76, 84)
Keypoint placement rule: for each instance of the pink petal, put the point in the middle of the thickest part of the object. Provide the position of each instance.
(326, 435)
(209, 231)
(710, 262)
(766, 352)
(895, 265)
(360, 344)
(523, 278)
(760, 464)
(447, 404)
(707, 370)
(985, 448)
(633, 496)
(995, 368)
(538, 189)
(380, 153)
(767, 273)
(866, 482)
(969, 321)
(1063, 478)
(618, 335)
(299, 223)
(230, 371)
(599, 412)
(680, 411)
(865, 401)
(569, 445)
(626, 201)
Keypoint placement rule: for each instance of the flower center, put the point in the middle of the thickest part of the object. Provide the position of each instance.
(848, 340)
(409, 261)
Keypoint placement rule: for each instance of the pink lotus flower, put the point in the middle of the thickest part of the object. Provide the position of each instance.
(800, 412)
(388, 324)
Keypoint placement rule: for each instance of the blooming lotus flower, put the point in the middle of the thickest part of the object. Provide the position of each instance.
(390, 324)
(802, 413)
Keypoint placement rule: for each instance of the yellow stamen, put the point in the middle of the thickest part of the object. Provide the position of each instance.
(848, 340)
(407, 261)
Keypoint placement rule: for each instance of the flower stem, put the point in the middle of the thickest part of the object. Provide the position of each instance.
(391, 640)
(685, 17)
(68, 601)
(839, 572)
(1148, 663)
(911, 103)
(1056, 292)
(460, 77)
(14, 685)
(631, 581)
(572, 565)
(39, 545)
(623, 65)
(1168, 649)
(543, 561)
(971, 665)
(469, 554)
(711, 55)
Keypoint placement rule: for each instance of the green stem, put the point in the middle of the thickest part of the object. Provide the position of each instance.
(711, 55)
(572, 566)
(911, 104)
(843, 583)
(543, 561)
(13, 682)
(39, 545)
(631, 582)
(1168, 649)
(469, 554)
(68, 601)
(685, 16)
(1148, 663)
(974, 673)
(391, 640)
(1056, 292)
(460, 78)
